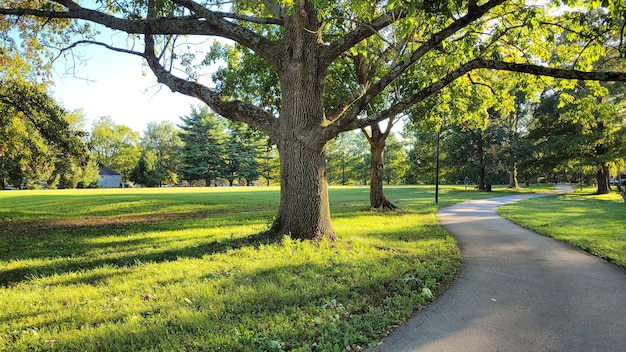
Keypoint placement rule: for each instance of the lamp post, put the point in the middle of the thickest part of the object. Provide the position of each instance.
(437, 166)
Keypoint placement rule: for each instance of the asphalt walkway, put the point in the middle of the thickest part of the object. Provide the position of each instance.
(518, 291)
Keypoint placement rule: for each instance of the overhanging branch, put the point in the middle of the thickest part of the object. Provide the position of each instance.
(210, 24)
(479, 63)
(93, 42)
(232, 110)
(603, 76)
(400, 68)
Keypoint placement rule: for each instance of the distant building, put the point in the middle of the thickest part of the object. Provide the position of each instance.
(109, 178)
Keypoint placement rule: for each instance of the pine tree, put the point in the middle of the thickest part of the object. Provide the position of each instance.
(242, 148)
(203, 152)
(147, 172)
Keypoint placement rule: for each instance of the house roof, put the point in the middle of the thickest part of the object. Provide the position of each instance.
(106, 171)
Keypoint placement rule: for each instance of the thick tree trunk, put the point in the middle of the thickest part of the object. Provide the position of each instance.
(513, 178)
(304, 211)
(602, 177)
(378, 200)
(377, 141)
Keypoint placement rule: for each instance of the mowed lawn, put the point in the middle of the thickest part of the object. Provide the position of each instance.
(176, 269)
(595, 223)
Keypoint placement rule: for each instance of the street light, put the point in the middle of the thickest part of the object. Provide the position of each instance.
(437, 166)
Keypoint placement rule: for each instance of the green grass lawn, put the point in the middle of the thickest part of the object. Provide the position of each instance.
(175, 269)
(595, 223)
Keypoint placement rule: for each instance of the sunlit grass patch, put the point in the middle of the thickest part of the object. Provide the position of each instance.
(595, 223)
(185, 273)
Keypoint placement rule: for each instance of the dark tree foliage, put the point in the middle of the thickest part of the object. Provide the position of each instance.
(421, 158)
(476, 153)
(203, 151)
(34, 135)
(242, 148)
(147, 172)
(587, 133)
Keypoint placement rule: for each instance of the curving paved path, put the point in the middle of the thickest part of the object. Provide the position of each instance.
(518, 291)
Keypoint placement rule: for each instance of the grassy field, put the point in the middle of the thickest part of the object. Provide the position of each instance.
(595, 223)
(175, 269)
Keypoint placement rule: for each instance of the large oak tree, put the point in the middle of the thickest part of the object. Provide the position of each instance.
(411, 49)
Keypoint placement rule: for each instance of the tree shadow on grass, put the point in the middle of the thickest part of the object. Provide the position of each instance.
(69, 248)
(336, 295)
(265, 299)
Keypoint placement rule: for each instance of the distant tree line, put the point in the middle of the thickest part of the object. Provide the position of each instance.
(204, 149)
(571, 134)
(542, 139)
(575, 132)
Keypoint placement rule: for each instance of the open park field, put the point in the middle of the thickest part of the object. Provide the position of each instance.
(179, 269)
(595, 223)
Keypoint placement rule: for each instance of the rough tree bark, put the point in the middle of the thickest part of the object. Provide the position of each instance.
(377, 141)
(513, 183)
(602, 177)
(304, 210)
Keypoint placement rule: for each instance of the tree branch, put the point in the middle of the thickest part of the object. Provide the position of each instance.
(365, 75)
(266, 48)
(362, 32)
(251, 19)
(479, 63)
(233, 110)
(432, 43)
(493, 91)
(93, 42)
(211, 24)
(602, 76)
(345, 104)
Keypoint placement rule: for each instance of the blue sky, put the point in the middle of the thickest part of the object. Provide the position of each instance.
(116, 85)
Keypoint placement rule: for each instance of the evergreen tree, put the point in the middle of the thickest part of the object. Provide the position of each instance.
(242, 149)
(148, 171)
(202, 134)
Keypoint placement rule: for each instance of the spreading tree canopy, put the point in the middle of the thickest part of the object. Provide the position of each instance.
(162, 139)
(36, 138)
(391, 55)
(115, 146)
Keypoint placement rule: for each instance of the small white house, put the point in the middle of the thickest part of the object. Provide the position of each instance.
(109, 178)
